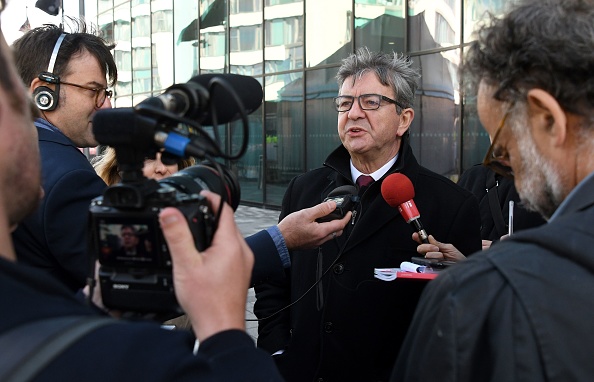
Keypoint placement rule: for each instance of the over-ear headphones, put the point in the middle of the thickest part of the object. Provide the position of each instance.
(45, 98)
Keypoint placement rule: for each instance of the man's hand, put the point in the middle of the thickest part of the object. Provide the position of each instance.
(437, 250)
(211, 286)
(301, 231)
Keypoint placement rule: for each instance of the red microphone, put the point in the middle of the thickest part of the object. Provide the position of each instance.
(399, 192)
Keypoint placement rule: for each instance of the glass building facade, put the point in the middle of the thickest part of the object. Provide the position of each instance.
(294, 48)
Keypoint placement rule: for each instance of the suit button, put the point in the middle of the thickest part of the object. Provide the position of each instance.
(339, 269)
(328, 327)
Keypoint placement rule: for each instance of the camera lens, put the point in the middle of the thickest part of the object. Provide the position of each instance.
(205, 176)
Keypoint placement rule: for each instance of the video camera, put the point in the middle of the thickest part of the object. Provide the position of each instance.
(135, 272)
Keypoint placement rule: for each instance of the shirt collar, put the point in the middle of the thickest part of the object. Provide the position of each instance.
(376, 174)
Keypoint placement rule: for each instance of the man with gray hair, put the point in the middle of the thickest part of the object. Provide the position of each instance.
(533, 71)
(346, 322)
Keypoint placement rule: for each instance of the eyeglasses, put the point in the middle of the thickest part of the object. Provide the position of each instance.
(101, 94)
(496, 155)
(366, 102)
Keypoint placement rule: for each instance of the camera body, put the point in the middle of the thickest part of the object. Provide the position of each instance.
(139, 278)
(135, 268)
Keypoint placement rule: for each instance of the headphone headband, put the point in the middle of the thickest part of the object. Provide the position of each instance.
(45, 98)
(52, 62)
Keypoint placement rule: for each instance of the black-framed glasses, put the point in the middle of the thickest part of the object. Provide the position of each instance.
(496, 155)
(366, 102)
(101, 94)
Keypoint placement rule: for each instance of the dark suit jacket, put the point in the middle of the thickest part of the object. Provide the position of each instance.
(532, 321)
(54, 237)
(350, 326)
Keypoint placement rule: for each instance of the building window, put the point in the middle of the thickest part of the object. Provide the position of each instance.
(245, 6)
(246, 38)
(163, 21)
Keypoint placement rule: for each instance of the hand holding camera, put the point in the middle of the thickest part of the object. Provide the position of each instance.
(202, 278)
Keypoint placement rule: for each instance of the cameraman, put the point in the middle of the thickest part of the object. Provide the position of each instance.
(212, 285)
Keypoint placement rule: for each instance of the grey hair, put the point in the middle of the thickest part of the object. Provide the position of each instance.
(392, 70)
(544, 44)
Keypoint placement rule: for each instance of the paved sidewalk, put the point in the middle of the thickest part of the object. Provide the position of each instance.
(251, 220)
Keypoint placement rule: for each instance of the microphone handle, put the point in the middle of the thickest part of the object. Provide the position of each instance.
(420, 230)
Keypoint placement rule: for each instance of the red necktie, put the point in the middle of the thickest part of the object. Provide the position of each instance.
(363, 181)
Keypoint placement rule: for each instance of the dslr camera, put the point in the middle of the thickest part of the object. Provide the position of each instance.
(135, 264)
(135, 267)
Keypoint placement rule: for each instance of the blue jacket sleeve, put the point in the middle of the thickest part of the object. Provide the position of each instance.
(267, 265)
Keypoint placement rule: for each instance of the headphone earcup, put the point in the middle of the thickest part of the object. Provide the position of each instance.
(45, 98)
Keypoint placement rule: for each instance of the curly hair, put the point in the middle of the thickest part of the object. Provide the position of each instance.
(106, 166)
(545, 44)
(392, 70)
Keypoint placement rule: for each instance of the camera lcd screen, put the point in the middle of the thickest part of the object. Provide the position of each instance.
(129, 242)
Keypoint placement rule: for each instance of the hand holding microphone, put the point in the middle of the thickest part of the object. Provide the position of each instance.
(398, 191)
(437, 250)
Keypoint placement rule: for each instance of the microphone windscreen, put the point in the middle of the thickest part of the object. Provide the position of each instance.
(248, 90)
(123, 127)
(397, 189)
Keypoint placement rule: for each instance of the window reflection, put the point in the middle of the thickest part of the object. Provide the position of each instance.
(185, 36)
(328, 38)
(435, 129)
(246, 39)
(475, 11)
(161, 42)
(379, 25)
(321, 118)
(103, 5)
(433, 24)
(245, 6)
(213, 40)
(283, 36)
(284, 132)
(122, 52)
(250, 167)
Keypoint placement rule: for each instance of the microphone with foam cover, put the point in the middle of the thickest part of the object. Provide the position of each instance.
(398, 192)
(247, 89)
(220, 97)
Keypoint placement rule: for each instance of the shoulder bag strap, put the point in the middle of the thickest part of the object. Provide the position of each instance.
(28, 348)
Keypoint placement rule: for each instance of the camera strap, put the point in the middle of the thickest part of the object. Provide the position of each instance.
(34, 345)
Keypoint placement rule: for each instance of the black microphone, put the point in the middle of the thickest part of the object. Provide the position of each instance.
(209, 97)
(343, 197)
(398, 191)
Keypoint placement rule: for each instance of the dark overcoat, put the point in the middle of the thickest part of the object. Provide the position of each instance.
(349, 326)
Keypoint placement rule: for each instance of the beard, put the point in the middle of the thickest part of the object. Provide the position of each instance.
(541, 184)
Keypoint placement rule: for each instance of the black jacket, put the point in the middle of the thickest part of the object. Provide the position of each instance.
(478, 179)
(350, 326)
(136, 351)
(521, 311)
